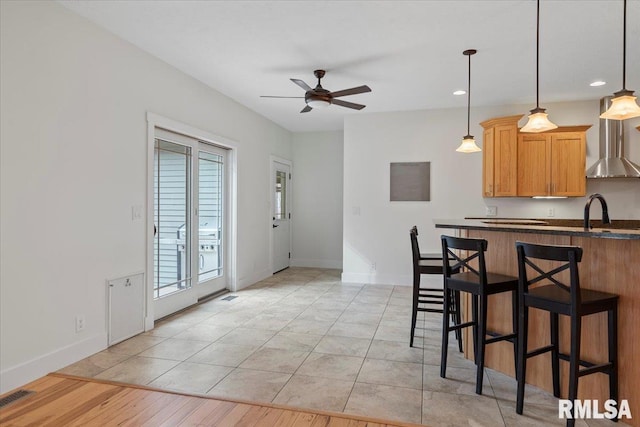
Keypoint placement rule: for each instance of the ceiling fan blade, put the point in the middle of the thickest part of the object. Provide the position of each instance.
(306, 109)
(302, 84)
(270, 96)
(352, 91)
(348, 104)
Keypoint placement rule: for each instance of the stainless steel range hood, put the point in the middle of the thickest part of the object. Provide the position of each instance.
(612, 163)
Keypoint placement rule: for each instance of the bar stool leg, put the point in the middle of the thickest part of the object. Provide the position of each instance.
(555, 359)
(574, 363)
(482, 334)
(458, 318)
(514, 326)
(613, 352)
(414, 313)
(474, 328)
(523, 328)
(445, 334)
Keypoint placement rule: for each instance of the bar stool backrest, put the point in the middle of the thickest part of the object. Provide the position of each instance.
(475, 248)
(415, 249)
(570, 255)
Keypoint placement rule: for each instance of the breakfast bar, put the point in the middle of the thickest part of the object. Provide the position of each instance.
(610, 263)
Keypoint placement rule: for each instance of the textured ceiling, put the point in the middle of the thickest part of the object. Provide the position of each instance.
(408, 52)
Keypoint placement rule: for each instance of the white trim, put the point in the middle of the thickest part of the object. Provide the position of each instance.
(158, 121)
(273, 159)
(188, 130)
(316, 263)
(28, 371)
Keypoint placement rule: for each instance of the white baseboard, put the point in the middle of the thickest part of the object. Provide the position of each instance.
(316, 263)
(26, 372)
(388, 279)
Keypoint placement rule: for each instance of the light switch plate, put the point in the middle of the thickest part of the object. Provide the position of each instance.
(136, 212)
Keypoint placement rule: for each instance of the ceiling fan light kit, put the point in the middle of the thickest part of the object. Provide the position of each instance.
(623, 105)
(468, 144)
(538, 119)
(319, 97)
(317, 103)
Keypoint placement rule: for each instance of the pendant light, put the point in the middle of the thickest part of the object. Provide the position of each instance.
(468, 144)
(623, 105)
(538, 120)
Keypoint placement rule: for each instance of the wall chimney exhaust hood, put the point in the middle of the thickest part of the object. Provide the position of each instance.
(612, 163)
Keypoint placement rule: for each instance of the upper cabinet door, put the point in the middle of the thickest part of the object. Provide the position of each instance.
(568, 157)
(534, 170)
(506, 161)
(487, 163)
(500, 157)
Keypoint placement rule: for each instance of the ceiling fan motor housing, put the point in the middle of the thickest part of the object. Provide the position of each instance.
(318, 94)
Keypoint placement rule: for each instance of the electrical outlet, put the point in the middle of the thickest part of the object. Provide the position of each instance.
(80, 323)
(491, 211)
(551, 212)
(373, 266)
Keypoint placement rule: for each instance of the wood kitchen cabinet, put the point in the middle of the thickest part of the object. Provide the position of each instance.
(552, 163)
(500, 156)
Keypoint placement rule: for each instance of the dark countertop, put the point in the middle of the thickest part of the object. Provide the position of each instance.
(534, 226)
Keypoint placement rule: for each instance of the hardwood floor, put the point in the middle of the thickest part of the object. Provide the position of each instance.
(63, 400)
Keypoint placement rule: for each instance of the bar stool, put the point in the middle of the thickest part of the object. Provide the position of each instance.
(568, 300)
(425, 298)
(480, 284)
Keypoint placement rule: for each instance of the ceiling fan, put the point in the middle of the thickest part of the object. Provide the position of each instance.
(319, 97)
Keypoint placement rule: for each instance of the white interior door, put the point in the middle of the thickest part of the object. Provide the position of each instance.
(190, 198)
(281, 201)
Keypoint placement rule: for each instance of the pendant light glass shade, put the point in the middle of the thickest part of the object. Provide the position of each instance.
(623, 105)
(468, 145)
(538, 122)
(538, 119)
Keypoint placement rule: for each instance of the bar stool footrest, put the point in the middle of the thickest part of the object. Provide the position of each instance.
(590, 367)
(508, 337)
(460, 326)
(542, 350)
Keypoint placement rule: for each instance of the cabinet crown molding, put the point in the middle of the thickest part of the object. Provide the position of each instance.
(499, 121)
(577, 128)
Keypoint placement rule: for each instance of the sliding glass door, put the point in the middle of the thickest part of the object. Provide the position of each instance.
(189, 221)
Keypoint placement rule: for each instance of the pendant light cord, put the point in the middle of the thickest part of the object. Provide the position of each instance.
(538, 56)
(624, 47)
(469, 98)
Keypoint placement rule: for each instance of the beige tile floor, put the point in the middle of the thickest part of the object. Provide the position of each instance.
(305, 339)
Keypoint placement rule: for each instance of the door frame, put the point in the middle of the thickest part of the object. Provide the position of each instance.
(158, 121)
(273, 159)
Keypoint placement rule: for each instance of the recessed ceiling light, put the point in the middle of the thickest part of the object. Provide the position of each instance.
(460, 92)
(598, 83)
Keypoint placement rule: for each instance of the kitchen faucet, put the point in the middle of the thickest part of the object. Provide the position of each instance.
(605, 211)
